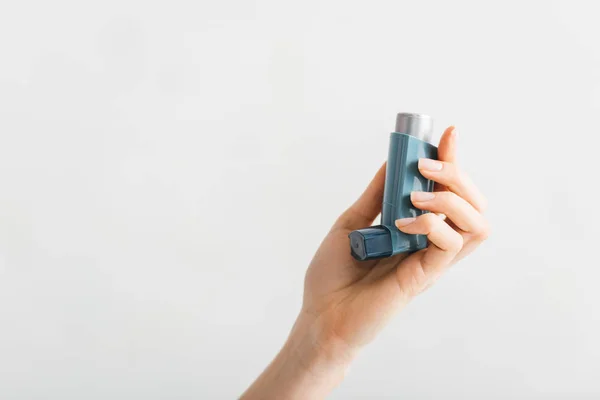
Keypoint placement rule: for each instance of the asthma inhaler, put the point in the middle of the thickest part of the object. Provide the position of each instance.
(410, 141)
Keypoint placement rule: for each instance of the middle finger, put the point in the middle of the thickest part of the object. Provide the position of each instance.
(457, 209)
(449, 175)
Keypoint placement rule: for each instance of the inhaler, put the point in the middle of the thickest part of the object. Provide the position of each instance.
(410, 141)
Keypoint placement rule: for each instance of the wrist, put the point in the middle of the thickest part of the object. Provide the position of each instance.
(318, 352)
(309, 365)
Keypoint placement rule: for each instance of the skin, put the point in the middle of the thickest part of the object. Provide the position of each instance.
(347, 302)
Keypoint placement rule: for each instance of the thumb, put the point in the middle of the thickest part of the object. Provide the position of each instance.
(364, 210)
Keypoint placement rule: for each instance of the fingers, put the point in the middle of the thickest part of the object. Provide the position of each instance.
(458, 210)
(447, 151)
(444, 242)
(367, 207)
(447, 146)
(449, 175)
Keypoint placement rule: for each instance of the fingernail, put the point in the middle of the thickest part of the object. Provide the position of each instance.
(430, 165)
(422, 196)
(404, 221)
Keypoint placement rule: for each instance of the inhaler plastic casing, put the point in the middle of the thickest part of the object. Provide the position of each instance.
(408, 143)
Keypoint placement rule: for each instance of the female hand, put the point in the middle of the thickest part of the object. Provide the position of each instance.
(347, 302)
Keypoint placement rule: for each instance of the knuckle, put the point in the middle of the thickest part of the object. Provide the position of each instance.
(343, 220)
(457, 242)
(350, 217)
(453, 171)
(430, 220)
(484, 204)
(456, 177)
(484, 232)
(446, 197)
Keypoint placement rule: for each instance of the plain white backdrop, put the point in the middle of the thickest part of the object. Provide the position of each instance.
(167, 170)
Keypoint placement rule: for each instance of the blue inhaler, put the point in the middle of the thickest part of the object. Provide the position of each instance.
(410, 141)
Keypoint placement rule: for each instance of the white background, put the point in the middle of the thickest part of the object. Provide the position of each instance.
(168, 169)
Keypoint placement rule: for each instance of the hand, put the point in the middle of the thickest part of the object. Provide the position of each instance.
(347, 302)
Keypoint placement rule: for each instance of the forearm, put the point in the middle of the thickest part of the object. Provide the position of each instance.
(305, 368)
